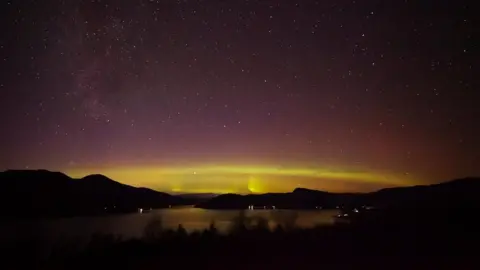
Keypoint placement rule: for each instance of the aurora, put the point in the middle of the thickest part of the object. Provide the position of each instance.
(242, 178)
(229, 96)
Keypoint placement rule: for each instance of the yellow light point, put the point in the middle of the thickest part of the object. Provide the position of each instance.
(254, 185)
(239, 178)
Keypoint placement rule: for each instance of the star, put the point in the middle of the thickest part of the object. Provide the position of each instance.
(332, 84)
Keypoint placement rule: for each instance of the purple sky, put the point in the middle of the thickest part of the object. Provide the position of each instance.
(381, 87)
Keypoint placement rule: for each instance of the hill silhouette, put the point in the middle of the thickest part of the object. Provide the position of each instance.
(202, 196)
(40, 193)
(456, 193)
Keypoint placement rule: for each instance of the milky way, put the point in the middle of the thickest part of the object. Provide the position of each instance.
(241, 96)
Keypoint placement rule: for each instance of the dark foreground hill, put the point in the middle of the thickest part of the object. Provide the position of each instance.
(456, 193)
(43, 193)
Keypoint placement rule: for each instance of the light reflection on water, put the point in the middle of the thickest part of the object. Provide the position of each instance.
(132, 225)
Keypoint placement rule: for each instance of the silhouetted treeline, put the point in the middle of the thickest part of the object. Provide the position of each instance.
(374, 239)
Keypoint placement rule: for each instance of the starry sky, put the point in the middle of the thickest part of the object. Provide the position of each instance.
(242, 96)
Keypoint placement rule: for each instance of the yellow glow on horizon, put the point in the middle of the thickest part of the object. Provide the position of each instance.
(238, 178)
(254, 185)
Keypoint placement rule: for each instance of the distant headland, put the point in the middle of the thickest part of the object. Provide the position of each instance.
(42, 193)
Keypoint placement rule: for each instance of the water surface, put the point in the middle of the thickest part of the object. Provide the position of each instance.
(132, 225)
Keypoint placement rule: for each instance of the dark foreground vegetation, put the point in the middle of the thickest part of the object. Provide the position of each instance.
(396, 239)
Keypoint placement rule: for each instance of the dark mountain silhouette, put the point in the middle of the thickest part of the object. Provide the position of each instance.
(460, 192)
(457, 193)
(298, 199)
(196, 195)
(45, 193)
(196, 198)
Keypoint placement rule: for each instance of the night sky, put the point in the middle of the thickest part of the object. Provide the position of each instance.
(242, 96)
